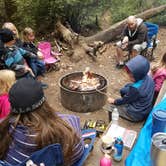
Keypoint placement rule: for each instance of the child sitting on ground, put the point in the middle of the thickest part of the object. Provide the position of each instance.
(7, 79)
(36, 64)
(158, 72)
(14, 56)
(136, 98)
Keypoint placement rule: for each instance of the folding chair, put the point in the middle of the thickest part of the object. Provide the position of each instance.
(49, 60)
(50, 155)
(152, 40)
(89, 136)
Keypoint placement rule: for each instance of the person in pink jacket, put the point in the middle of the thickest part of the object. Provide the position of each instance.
(159, 74)
(7, 79)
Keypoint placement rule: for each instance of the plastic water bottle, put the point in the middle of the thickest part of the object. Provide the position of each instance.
(106, 160)
(115, 116)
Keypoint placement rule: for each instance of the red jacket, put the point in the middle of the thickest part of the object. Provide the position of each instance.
(4, 106)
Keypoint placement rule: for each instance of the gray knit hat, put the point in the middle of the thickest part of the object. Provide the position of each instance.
(26, 95)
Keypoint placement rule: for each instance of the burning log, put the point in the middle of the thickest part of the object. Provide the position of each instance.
(87, 82)
(82, 100)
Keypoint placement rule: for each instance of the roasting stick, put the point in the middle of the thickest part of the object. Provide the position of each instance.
(104, 93)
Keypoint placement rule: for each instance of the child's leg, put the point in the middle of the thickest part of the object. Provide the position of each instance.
(122, 113)
(40, 67)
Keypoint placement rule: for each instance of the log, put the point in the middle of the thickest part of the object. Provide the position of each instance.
(115, 30)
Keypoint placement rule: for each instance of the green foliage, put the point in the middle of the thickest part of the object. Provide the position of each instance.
(159, 19)
(43, 14)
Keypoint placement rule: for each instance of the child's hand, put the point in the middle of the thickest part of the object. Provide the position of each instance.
(40, 55)
(29, 70)
(111, 100)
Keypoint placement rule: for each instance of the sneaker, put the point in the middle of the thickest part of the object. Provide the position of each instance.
(44, 85)
(119, 66)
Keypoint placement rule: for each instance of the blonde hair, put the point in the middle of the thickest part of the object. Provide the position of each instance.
(27, 31)
(12, 27)
(7, 79)
(160, 64)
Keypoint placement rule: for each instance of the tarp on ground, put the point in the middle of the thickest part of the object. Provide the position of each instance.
(140, 154)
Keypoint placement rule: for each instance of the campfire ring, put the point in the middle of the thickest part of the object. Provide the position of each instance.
(82, 101)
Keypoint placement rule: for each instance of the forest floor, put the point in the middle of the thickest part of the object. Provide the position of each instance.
(105, 66)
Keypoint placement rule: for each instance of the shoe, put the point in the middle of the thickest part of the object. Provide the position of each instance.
(44, 85)
(119, 66)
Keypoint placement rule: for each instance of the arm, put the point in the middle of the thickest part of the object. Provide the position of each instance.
(27, 54)
(125, 89)
(129, 97)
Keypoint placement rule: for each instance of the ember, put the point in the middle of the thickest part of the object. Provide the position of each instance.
(87, 82)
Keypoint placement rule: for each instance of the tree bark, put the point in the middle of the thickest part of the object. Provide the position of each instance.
(115, 30)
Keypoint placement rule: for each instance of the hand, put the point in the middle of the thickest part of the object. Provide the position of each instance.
(111, 100)
(40, 55)
(125, 39)
(29, 70)
(124, 45)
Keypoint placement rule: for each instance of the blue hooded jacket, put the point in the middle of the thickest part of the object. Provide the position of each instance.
(138, 96)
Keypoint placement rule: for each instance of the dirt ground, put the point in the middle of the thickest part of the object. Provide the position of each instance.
(105, 65)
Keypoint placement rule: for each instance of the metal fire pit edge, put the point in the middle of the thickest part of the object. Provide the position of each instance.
(82, 101)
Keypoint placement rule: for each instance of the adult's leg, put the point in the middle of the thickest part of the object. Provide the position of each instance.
(137, 48)
(119, 54)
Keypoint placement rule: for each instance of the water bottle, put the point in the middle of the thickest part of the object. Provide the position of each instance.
(115, 116)
(105, 161)
(118, 149)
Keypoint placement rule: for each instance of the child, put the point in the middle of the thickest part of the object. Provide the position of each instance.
(136, 98)
(13, 28)
(158, 72)
(33, 124)
(14, 56)
(36, 64)
(7, 79)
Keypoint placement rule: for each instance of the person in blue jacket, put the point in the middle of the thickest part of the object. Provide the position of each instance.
(136, 97)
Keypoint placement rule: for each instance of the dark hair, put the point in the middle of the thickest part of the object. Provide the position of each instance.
(48, 126)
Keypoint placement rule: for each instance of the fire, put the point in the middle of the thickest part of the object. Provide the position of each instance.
(88, 81)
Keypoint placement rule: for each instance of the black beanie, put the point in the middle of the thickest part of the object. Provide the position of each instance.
(26, 95)
(6, 35)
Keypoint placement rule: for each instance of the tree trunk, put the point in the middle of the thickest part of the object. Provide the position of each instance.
(115, 30)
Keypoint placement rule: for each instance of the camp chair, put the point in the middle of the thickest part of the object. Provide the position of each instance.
(88, 136)
(152, 40)
(49, 60)
(51, 156)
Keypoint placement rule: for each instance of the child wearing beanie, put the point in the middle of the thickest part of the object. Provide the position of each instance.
(33, 125)
(7, 79)
(14, 56)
